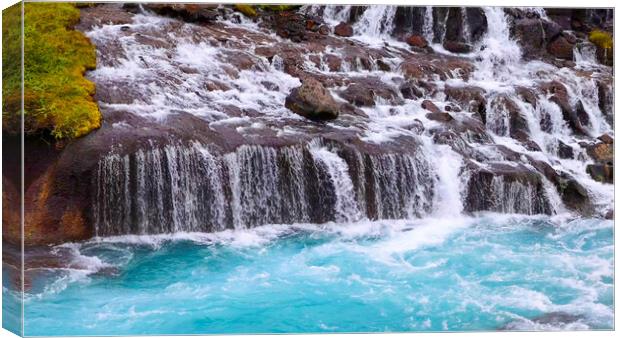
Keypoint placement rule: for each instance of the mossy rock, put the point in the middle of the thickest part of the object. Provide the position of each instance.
(247, 10)
(57, 97)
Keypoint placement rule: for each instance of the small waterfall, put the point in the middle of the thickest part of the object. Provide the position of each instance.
(498, 50)
(427, 28)
(377, 21)
(181, 188)
(338, 171)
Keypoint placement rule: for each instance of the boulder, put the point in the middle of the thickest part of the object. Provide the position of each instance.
(343, 29)
(417, 41)
(189, 12)
(415, 89)
(313, 101)
(290, 25)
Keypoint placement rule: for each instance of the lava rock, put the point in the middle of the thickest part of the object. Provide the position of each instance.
(313, 101)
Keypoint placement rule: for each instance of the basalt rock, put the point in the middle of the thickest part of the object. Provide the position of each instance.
(313, 101)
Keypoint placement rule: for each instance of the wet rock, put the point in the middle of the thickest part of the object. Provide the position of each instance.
(488, 186)
(334, 63)
(565, 151)
(601, 152)
(601, 172)
(609, 214)
(574, 195)
(529, 33)
(290, 25)
(426, 66)
(417, 41)
(457, 47)
(343, 29)
(576, 117)
(363, 92)
(527, 94)
(439, 117)
(313, 101)
(561, 48)
(477, 22)
(202, 13)
(415, 89)
(469, 98)
(430, 106)
(605, 138)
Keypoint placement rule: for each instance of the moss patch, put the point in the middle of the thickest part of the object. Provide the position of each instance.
(250, 10)
(602, 39)
(57, 97)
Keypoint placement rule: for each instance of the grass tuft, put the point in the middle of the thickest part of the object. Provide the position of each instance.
(57, 97)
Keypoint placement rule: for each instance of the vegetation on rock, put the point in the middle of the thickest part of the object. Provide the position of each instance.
(602, 39)
(57, 97)
(250, 10)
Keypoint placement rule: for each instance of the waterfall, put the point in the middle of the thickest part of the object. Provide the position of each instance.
(427, 28)
(338, 171)
(181, 188)
(498, 50)
(377, 21)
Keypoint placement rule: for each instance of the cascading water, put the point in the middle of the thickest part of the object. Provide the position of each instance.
(229, 196)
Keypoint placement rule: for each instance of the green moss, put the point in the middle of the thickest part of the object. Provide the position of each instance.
(247, 10)
(602, 39)
(277, 8)
(57, 97)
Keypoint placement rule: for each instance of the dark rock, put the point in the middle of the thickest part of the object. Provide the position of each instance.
(430, 106)
(530, 35)
(439, 117)
(290, 25)
(313, 101)
(469, 98)
(363, 92)
(343, 29)
(528, 95)
(324, 30)
(609, 214)
(417, 41)
(565, 151)
(483, 193)
(561, 48)
(601, 172)
(202, 13)
(415, 89)
(457, 47)
(477, 23)
(574, 116)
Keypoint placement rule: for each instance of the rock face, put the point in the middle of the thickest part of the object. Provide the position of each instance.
(417, 41)
(311, 100)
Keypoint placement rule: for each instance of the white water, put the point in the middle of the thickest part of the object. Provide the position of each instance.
(173, 79)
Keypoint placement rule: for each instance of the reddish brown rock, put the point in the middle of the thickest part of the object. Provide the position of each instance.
(430, 106)
(561, 48)
(343, 29)
(439, 117)
(313, 101)
(417, 41)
